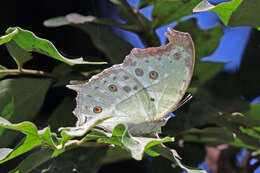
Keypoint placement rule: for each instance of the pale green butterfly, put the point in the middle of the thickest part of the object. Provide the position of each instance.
(142, 90)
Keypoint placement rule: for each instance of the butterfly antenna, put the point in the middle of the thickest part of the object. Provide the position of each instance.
(185, 100)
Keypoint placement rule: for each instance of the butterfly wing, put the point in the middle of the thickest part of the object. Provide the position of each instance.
(145, 87)
(112, 92)
(164, 72)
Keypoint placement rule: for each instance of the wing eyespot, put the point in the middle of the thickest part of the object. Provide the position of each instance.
(97, 109)
(112, 88)
(153, 75)
(177, 56)
(139, 72)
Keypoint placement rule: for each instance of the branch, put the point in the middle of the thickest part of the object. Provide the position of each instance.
(27, 71)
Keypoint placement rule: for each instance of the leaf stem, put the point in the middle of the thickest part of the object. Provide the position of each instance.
(144, 32)
(19, 67)
(27, 71)
(129, 8)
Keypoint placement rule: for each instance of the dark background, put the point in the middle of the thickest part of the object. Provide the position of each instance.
(239, 46)
(72, 42)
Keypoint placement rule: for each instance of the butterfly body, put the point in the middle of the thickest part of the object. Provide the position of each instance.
(142, 90)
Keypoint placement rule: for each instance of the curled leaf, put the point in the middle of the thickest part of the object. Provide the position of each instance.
(33, 138)
(83, 129)
(6, 38)
(4, 152)
(27, 41)
(228, 11)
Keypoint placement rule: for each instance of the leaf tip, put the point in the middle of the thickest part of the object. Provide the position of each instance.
(203, 6)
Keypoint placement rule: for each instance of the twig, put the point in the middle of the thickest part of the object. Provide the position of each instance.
(27, 71)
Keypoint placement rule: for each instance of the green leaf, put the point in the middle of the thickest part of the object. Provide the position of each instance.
(28, 144)
(62, 115)
(202, 39)
(19, 55)
(80, 19)
(19, 102)
(215, 135)
(192, 153)
(244, 137)
(238, 119)
(220, 93)
(126, 12)
(81, 159)
(224, 10)
(6, 38)
(250, 131)
(66, 74)
(101, 38)
(2, 74)
(165, 12)
(33, 161)
(185, 118)
(21, 94)
(173, 156)
(206, 70)
(29, 42)
(2, 67)
(115, 154)
(246, 14)
(135, 145)
(33, 137)
(132, 16)
(153, 142)
(119, 130)
(234, 13)
(7, 112)
(116, 136)
(235, 130)
(112, 22)
(253, 112)
(161, 164)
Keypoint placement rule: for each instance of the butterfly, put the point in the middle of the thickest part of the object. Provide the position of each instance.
(141, 91)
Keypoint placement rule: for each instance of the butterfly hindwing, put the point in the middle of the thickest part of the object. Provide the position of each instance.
(112, 92)
(164, 72)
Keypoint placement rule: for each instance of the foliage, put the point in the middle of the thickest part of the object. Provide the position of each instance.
(234, 13)
(216, 116)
